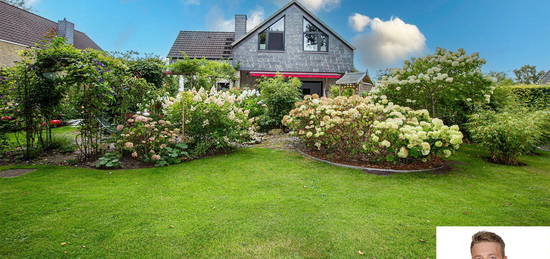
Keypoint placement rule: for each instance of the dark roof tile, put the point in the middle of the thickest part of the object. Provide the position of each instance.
(26, 28)
(203, 44)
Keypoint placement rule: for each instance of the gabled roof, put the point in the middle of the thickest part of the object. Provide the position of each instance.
(352, 78)
(26, 28)
(545, 79)
(301, 6)
(203, 44)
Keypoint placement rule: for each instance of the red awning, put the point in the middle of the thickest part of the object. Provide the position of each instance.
(296, 74)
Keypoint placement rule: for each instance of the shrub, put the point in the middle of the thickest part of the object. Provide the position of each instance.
(448, 84)
(336, 90)
(212, 120)
(151, 141)
(533, 96)
(508, 134)
(150, 69)
(371, 129)
(250, 99)
(279, 95)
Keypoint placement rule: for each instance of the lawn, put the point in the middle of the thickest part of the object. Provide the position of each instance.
(262, 203)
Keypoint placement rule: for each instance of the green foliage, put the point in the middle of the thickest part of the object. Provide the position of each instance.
(149, 140)
(528, 75)
(58, 81)
(150, 69)
(508, 134)
(109, 160)
(279, 95)
(500, 78)
(336, 91)
(202, 73)
(371, 130)
(212, 121)
(533, 96)
(448, 84)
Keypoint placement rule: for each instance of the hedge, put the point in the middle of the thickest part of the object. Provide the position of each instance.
(536, 96)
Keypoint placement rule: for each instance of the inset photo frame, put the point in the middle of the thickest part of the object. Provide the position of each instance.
(492, 242)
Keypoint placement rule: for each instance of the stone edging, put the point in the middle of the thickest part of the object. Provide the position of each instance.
(379, 170)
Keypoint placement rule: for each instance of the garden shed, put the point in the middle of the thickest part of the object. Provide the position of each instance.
(359, 81)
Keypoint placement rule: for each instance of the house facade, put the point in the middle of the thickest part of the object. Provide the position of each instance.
(21, 29)
(292, 42)
(545, 79)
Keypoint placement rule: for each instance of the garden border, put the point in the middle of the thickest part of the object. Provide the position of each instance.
(376, 170)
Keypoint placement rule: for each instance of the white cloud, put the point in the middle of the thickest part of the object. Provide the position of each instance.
(30, 3)
(192, 2)
(219, 23)
(315, 5)
(256, 17)
(387, 42)
(359, 22)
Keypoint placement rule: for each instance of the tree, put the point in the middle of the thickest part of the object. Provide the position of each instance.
(501, 78)
(19, 3)
(448, 84)
(528, 75)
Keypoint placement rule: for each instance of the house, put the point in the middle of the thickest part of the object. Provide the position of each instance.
(293, 42)
(21, 29)
(545, 79)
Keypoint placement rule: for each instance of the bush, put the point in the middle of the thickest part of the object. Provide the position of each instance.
(279, 95)
(151, 141)
(336, 90)
(371, 129)
(212, 120)
(509, 134)
(533, 96)
(448, 84)
(150, 69)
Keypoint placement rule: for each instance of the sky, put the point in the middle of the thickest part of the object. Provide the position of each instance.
(507, 33)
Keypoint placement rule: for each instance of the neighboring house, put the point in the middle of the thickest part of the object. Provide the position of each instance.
(293, 42)
(21, 29)
(545, 79)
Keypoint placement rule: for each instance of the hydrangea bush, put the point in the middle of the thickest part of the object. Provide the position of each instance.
(371, 129)
(151, 141)
(448, 84)
(509, 134)
(212, 120)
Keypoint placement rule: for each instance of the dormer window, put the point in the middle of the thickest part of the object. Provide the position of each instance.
(315, 40)
(273, 38)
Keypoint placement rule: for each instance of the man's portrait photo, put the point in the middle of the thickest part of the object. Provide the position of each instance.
(487, 245)
(492, 242)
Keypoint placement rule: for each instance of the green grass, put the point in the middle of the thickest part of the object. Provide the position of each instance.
(67, 133)
(262, 203)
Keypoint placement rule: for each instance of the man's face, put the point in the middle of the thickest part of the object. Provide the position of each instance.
(487, 250)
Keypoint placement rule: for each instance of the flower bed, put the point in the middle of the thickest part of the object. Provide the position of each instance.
(212, 120)
(371, 131)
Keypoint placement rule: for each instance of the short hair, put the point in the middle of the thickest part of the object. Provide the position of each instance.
(485, 236)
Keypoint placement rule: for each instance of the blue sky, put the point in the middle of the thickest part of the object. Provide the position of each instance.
(508, 33)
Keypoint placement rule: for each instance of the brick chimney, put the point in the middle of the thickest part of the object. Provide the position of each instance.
(65, 29)
(240, 25)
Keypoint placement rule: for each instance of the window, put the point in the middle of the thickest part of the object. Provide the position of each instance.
(273, 38)
(314, 39)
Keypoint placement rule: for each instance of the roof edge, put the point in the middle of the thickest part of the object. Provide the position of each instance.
(289, 4)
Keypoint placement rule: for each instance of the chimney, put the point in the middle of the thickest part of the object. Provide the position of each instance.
(240, 26)
(65, 29)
